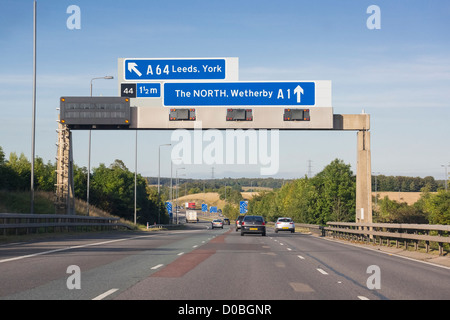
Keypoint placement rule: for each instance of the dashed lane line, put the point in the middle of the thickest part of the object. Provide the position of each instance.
(105, 294)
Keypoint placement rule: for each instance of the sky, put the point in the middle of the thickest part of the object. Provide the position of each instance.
(399, 74)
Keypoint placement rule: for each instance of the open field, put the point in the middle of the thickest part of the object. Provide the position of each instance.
(408, 197)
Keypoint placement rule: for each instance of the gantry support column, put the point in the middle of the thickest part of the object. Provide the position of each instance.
(360, 123)
(363, 179)
(64, 197)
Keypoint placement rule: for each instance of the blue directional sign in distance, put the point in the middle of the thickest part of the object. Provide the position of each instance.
(173, 69)
(169, 208)
(243, 207)
(204, 207)
(212, 209)
(240, 94)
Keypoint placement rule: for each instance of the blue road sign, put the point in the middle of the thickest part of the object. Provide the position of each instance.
(212, 209)
(243, 207)
(204, 207)
(169, 208)
(240, 94)
(148, 90)
(166, 69)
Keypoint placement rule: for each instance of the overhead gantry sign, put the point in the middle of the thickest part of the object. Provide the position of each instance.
(180, 93)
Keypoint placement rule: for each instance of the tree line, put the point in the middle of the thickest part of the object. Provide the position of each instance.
(111, 188)
(331, 196)
(328, 196)
(404, 184)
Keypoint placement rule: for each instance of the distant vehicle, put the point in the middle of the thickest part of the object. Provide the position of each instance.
(189, 205)
(238, 222)
(253, 224)
(284, 224)
(191, 216)
(217, 223)
(226, 221)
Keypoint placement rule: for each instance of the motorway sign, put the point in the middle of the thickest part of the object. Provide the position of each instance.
(169, 208)
(204, 207)
(140, 90)
(243, 207)
(292, 93)
(212, 209)
(142, 69)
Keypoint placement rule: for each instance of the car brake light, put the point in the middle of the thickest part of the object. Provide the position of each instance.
(242, 223)
(263, 223)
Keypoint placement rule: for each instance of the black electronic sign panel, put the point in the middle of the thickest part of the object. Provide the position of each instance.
(95, 112)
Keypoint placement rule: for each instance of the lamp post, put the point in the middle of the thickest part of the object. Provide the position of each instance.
(159, 160)
(176, 183)
(33, 115)
(159, 173)
(446, 175)
(89, 152)
(171, 175)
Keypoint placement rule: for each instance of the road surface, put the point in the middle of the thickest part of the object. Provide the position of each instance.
(198, 263)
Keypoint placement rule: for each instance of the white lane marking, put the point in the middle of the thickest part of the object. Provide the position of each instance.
(195, 246)
(289, 249)
(105, 294)
(67, 248)
(32, 255)
(157, 266)
(322, 271)
(180, 253)
(363, 298)
(301, 257)
(90, 245)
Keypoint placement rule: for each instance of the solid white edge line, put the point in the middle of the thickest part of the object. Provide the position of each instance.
(388, 253)
(157, 266)
(363, 298)
(89, 245)
(105, 294)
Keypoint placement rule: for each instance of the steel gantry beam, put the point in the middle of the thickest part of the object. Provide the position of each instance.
(152, 118)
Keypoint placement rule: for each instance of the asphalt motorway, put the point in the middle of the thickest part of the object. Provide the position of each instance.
(198, 263)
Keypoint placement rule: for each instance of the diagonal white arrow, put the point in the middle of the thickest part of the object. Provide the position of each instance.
(132, 67)
(298, 90)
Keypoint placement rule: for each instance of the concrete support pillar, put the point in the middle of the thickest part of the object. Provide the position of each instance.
(363, 179)
(64, 196)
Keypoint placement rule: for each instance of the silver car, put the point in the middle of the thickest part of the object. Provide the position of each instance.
(217, 223)
(284, 224)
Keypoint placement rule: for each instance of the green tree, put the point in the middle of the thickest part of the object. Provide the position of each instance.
(44, 175)
(391, 211)
(438, 207)
(231, 211)
(22, 169)
(113, 191)
(8, 177)
(80, 182)
(232, 196)
(337, 188)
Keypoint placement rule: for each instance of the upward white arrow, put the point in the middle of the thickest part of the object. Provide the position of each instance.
(299, 91)
(132, 67)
